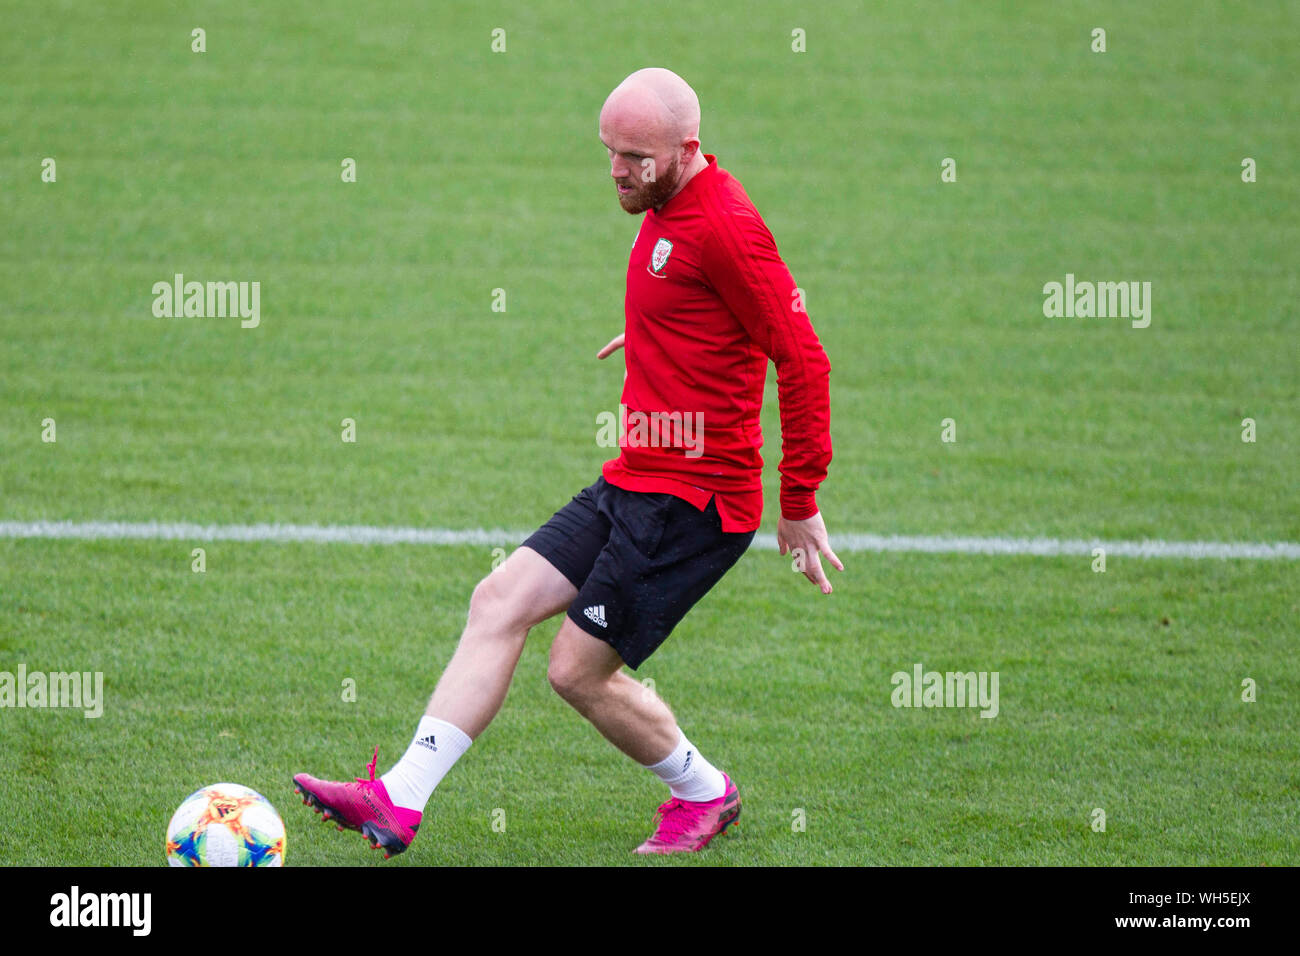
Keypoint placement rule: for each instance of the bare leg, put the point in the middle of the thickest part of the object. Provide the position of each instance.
(522, 592)
(586, 672)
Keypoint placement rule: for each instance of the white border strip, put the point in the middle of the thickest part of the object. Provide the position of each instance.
(846, 543)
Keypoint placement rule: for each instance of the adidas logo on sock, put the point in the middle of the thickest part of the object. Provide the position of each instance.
(596, 614)
(430, 742)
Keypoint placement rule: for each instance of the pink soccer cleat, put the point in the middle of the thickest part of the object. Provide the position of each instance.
(363, 806)
(685, 827)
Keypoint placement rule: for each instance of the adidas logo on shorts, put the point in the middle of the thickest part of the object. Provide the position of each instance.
(596, 614)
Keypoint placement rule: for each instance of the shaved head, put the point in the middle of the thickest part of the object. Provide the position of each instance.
(657, 102)
(650, 124)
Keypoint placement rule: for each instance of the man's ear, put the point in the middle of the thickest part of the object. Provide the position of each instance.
(689, 148)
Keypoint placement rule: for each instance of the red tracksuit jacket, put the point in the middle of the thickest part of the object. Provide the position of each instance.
(709, 302)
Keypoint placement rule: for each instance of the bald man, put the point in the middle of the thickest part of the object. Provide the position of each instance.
(709, 302)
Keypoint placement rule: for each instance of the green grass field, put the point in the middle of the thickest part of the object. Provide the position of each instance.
(479, 170)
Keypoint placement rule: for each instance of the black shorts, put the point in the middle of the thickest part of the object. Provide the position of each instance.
(639, 560)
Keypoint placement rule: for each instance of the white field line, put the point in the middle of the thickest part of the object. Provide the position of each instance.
(842, 542)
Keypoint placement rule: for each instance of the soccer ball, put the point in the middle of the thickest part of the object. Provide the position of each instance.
(225, 825)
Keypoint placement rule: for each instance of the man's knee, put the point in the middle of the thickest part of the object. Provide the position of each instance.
(580, 665)
(567, 676)
(495, 601)
(488, 596)
(524, 591)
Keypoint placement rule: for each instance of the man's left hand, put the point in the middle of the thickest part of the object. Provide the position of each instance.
(810, 539)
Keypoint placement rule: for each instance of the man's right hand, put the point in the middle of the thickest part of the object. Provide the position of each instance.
(614, 345)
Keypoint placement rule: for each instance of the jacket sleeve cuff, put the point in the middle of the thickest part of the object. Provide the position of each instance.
(798, 503)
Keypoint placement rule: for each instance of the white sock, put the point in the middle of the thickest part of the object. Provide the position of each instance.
(688, 775)
(436, 746)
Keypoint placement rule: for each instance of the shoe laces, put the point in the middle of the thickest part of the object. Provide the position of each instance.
(371, 767)
(676, 818)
